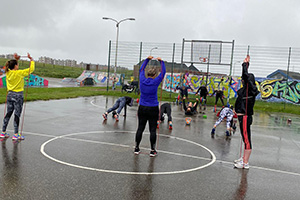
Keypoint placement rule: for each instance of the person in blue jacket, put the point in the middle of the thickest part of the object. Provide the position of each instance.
(148, 110)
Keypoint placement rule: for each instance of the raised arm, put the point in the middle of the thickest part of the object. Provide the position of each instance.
(163, 67)
(26, 72)
(183, 102)
(198, 90)
(142, 69)
(245, 66)
(161, 76)
(196, 103)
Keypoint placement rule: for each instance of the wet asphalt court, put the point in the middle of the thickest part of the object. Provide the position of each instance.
(70, 153)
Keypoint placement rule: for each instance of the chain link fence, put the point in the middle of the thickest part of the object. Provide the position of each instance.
(281, 63)
(264, 60)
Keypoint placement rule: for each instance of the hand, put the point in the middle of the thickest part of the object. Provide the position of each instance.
(16, 56)
(150, 57)
(28, 55)
(247, 59)
(196, 94)
(197, 99)
(183, 98)
(159, 59)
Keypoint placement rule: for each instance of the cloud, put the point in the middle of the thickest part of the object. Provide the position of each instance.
(74, 29)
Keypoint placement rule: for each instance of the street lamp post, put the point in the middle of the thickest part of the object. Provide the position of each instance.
(117, 40)
(152, 50)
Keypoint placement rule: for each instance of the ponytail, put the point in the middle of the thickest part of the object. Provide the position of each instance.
(10, 65)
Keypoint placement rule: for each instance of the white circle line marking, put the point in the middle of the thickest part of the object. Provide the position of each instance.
(42, 150)
(92, 102)
(222, 161)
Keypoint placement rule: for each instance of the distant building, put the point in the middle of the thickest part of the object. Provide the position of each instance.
(58, 62)
(71, 63)
(10, 56)
(282, 74)
(46, 60)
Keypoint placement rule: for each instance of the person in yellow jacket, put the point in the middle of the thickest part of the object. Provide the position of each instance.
(15, 98)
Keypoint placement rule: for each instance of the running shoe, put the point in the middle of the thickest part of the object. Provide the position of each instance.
(18, 137)
(4, 135)
(213, 131)
(153, 153)
(238, 160)
(227, 133)
(116, 116)
(137, 151)
(104, 116)
(241, 165)
(21, 137)
(170, 126)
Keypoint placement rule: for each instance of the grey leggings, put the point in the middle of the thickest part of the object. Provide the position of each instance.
(120, 103)
(14, 104)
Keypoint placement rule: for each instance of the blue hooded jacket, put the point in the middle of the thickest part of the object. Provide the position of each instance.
(148, 86)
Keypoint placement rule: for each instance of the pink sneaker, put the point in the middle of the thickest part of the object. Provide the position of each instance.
(4, 135)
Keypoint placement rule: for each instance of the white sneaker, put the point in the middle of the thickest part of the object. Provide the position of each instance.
(241, 165)
(238, 160)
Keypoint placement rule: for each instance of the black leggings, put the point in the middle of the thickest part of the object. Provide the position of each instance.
(147, 113)
(245, 123)
(219, 95)
(165, 108)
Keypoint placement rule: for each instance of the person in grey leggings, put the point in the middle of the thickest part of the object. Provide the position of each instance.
(14, 103)
(121, 103)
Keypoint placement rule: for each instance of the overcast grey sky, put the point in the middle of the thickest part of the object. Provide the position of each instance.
(74, 29)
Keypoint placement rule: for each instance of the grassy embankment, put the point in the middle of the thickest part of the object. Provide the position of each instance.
(46, 70)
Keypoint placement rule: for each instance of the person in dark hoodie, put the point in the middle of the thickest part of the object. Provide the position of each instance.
(219, 93)
(148, 110)
(202, 91)
(121, 103)
(244, 108)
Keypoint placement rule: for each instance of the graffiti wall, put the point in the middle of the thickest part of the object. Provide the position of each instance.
(275, 90)
(34, 80)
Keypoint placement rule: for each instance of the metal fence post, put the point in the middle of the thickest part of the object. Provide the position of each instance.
(108, 65)
(172, 70)
(208, 64)
(248, 50)
(181, 65)
(230, 77)
(287, 71)
(141, 51)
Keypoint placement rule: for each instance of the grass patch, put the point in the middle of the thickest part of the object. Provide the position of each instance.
(58, 71)
(47, 70)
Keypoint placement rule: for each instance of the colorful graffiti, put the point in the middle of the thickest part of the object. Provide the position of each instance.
(195, 81)
(271, 90)
(278, 90)
(34, 80)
